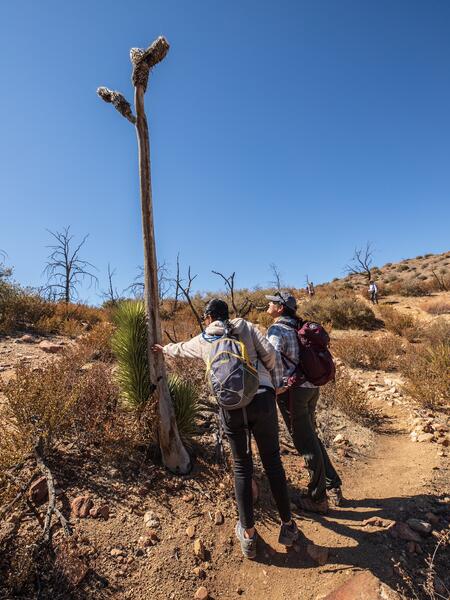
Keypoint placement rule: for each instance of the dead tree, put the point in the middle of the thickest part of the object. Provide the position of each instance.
(186, 291)
(65, 269)
(5, 271)
(245, 307)
(276, 281)
(442, 284)
(174, 454)
(361, 262)
(111, 295)
(164, 282)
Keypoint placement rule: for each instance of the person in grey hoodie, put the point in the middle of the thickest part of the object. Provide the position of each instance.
(261, 422)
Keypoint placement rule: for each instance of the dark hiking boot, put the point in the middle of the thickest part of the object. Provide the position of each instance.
(288, 534)
(310, 505)
(248, 545)
(335, 496)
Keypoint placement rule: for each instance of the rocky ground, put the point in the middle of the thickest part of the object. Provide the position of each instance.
(142, 533)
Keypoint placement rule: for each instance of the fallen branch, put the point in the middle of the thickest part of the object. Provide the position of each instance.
(23, 489)
(51, 509)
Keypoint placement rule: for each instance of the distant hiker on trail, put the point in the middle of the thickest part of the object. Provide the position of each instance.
(310, 289)
(231, 349)
(373, 291)
(297, 399)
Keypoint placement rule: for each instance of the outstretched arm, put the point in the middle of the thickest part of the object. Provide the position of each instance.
(190, 349)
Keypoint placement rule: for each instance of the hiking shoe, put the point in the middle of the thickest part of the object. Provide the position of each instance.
(311, 505)
(288, 534)
(335, 496)
(248, 545)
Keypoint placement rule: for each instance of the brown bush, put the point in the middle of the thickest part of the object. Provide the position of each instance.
(343, 313)
(97, 342)
(348, 396)
(19, 309)
(436, 332)
(399, 323)
(427, 372)
(439, 306)
(413, 287)
(369, 352)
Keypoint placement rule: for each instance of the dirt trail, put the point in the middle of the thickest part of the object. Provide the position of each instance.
(394, 479)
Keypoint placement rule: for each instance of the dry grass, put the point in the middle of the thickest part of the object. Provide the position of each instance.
(369, 352)
(349, 396)
(343, 313)
(436, 307)
(399, 323)
(427, 373)
(97, 343)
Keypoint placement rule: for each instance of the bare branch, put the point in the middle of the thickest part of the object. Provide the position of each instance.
(276, 281)
(119, 102)
(361, 262)
(247, 304)
(186, 290)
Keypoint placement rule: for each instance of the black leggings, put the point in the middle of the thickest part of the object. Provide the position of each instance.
(263, 424)
(301, 423)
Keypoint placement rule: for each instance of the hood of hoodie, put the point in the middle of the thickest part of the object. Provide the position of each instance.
(218, 327)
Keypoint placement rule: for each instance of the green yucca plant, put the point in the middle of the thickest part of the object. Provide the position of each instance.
(129, 344)
(185, 400)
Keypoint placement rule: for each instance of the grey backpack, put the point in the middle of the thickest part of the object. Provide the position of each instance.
(232, 377)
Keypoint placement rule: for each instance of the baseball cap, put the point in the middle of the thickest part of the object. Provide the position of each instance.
(284, 298)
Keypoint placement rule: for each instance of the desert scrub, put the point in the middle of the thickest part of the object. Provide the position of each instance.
(369, 352)
(436, 307)
(20, 309)
(427, 373)
(349, 396)
(436, 332)
(97, 342)
(129, 344)
(399, 323)
(341, 313)
(414, 288)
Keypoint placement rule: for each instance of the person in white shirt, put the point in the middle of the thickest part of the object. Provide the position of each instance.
(373, 291)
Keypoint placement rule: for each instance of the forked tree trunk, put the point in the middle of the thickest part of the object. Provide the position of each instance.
(173, 452)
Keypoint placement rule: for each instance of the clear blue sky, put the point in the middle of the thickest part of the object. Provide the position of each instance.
(281, 132)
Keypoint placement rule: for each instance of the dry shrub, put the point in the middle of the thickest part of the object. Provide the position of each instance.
(427, 373)
(413, 287)
(399, 323)
(440, 306)
(349, 396)
(70, 319)
(97, 343)
(436, 332)
(369, 352)
(20, 309)
(64, 397)
(342, 313)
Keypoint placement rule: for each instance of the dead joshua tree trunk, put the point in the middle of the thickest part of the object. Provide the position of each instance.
(173, 452)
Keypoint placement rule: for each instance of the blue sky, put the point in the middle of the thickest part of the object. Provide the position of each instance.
(281, 132)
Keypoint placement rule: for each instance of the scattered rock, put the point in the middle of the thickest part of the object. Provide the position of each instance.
(38, 492)
(190, 531)
(377, 522)
(425, 437)
(26, 339)
(100, 512)
(81, 506)
(239, 591)
(317, 553)
(199, 549)
(6, 529)
(363, 585)
(218, 518)
(420, 526)
(70, 565)
(117, 552)
(188, 497)
(151, 519)
(340, 439)
(404, 532)
(199, 572)
(50, 347)
(432, 518)
(201, 594)
(411, 547)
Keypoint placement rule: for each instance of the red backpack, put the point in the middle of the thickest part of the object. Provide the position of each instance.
(316, 363)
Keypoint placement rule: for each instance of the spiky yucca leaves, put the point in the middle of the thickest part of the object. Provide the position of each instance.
(186, 404)
(129, 344)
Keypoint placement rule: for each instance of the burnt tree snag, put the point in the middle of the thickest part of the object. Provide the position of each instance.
(174, 455)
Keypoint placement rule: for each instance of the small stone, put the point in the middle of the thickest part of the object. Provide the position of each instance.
(425, 437)
(199, 549)
(151, 519)
(404, 532)
(411, 547)
(38, 492)
(26, 339)
(199, 572)
(50, 347)
(239, 591)
(117, 552)
(420, 526)
(100, 512)
(190, 531)
(317, 553)
(201, 594)
(81, 506)
(188, 497)
(377, 522)
(339, 439)
(218, 518)
(432, 518)
(363, 585)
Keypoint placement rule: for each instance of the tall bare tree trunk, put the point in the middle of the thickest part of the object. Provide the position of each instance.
(173, 452)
